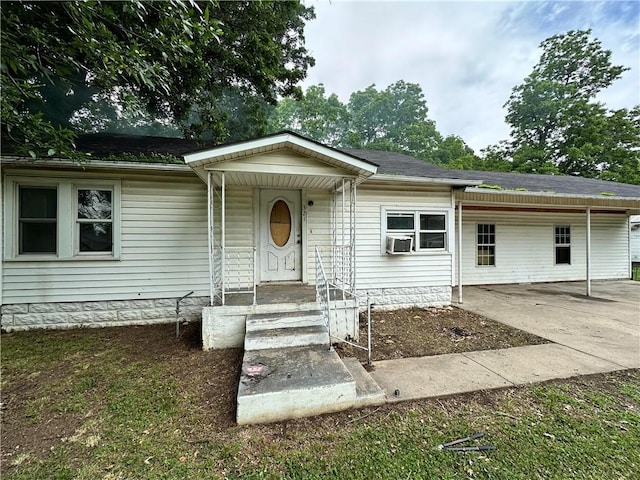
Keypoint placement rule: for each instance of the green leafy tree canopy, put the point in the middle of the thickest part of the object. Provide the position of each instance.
(175, 58)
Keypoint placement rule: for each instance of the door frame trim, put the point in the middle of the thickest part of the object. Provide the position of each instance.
(302, 212)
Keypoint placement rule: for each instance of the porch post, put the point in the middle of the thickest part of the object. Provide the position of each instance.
(210, 235)
(588, 251)
(222, 240)
(459, 253)
(353, 235)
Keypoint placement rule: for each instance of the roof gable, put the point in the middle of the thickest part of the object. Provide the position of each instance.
(211, 158)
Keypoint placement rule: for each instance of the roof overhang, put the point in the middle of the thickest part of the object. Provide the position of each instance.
(474, 195)
(94, 164)
(213, 159)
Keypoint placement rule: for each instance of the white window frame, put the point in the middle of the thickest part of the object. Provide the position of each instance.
(557, 245)
(415, 232)
(478, 244)
(67, 216)
(78, 221)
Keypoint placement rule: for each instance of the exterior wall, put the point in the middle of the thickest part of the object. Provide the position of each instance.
(419, 279)
(163, 256)
(240, 239)
(634, 238)
(525, 247)
(26, 316)
(319, 229)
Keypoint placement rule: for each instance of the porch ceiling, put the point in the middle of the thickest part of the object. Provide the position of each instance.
(270, 180)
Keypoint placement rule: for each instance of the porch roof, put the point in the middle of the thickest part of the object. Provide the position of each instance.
(327, 167)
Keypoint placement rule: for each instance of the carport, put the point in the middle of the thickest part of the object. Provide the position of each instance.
(605, 325)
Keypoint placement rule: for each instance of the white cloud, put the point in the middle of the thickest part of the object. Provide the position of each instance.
(467, 56)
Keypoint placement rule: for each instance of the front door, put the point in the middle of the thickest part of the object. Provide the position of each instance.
(281, 246)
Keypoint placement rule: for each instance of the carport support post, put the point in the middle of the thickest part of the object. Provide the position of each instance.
(588, 251)
(459, 253)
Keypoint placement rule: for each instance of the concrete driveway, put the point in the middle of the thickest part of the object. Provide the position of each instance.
(605, 325)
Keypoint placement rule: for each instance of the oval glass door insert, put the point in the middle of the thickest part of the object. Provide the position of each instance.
(280, 223)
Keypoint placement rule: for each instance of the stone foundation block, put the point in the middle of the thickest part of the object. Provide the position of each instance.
(16, 308)
(27, 319)
(93, 306)
(68, 307)
(107, 316)
(81, 317)
(42, 308)
(129, 315)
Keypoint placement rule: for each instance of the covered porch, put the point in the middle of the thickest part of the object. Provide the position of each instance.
(281, 216)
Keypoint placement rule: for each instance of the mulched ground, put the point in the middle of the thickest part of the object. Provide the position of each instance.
(421, 332)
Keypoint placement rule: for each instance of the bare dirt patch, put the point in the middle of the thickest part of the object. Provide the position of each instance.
(421, 332)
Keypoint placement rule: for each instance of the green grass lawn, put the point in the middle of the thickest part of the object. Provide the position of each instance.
(135, 403)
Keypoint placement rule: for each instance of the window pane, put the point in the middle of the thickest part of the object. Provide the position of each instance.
(38, 202)
(95, 237)
(432, 240)
(486, 234)
(432, 222)
(486, 255)
(38, 237)
(95, 204)
(563, 255)
(400, 221)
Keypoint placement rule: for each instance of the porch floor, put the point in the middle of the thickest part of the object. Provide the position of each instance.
(271, 294)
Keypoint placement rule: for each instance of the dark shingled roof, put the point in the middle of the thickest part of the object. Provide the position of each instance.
(398, 164)
(102, 145)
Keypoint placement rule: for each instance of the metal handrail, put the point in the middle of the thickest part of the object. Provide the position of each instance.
(240, 255)
(323, 294)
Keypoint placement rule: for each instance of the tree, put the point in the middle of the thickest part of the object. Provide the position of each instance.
(315, 115)
(176, 58)
(556, 124)
(393, 119)
(453, 152)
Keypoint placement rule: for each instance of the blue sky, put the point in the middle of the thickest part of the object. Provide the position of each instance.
(466, 56)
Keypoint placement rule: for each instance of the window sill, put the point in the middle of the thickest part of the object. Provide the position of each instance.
(421, 253)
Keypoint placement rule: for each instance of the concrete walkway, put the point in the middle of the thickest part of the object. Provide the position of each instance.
(592, 335)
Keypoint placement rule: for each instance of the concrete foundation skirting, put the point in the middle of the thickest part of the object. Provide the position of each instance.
(406, 297)
(48, 315)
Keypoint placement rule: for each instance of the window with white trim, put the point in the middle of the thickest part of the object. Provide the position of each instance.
(94, 232)
(486, 244)
(562, 241)
(427, 229)
(37, 219)
(61, 218)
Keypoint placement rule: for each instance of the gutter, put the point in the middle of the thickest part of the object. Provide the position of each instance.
(95, 163)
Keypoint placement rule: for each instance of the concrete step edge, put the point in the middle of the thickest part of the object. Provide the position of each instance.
(368, 392)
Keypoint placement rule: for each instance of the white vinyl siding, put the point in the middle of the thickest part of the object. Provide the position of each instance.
(634, 238)
(525, 247)
(163, 242)
(376, 269)
(319, 232)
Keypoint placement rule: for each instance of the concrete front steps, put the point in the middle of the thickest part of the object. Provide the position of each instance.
(288, 371)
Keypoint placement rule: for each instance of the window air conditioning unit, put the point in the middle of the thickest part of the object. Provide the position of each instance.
(398, 245)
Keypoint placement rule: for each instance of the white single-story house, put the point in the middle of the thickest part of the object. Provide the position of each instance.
(113, 241)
